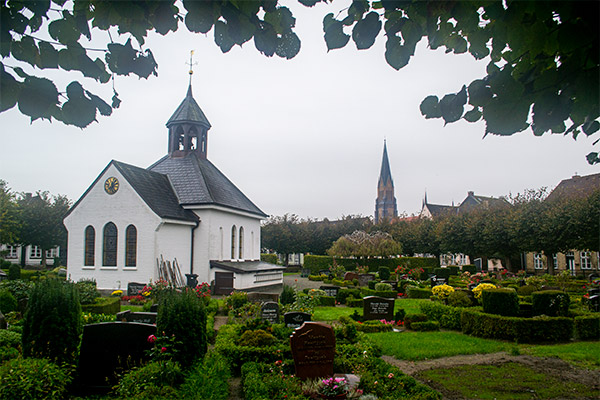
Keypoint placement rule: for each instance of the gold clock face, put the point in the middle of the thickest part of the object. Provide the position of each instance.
(111, 185)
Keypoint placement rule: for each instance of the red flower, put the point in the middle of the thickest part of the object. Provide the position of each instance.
(151, 339)
(163, 349)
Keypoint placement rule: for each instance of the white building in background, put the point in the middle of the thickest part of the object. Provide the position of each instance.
(31, 254)
(181, 207)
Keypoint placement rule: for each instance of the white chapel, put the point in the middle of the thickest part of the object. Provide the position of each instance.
(181, 207)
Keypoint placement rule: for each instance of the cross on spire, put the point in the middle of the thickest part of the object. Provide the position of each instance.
(191, 64)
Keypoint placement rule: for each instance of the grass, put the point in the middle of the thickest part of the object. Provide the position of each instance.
(132, 308)
(427, 345)
(332, 313)
(411, 306)
(506, 381)
(581, 354)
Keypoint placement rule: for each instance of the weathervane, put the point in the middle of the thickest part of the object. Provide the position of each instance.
(191, 64)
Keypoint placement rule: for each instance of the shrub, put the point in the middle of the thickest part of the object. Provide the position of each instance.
(8, 302)
(153, 380)
(469, 268)
(32, 378)
(87, 291)
(257, 338)
(352, 302)
(343, 294)
(459, 298)
(384, 273)
(270, 258)
(52, 324)
(208, 379)
(236, 300)
(19, 289)
(441, 292)
(442, 272)
(252, 382)
(526, 290)
(103, 305)
(373, 326)
(328, 301)
(552, 303)
(418, 293)
(14, 272)
(453, 269)
(9, 338)
(501, 302)
(383, 287)
(410, 318)
(481, 287)
(522, 330)
(425, 326)
(184, 316)
(587, 327)
(288, 295)
(371, 284)
(447, 316)
(317, 263)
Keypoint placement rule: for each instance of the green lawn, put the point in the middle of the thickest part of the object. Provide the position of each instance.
(581, 354)
(411, 306)
(427, 345)
(333, 313)
(506, 381)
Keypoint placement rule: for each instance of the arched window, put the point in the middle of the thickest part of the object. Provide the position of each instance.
(241, 252)
(130, 246)
(233, 232)
(90, 246)
(109, 245)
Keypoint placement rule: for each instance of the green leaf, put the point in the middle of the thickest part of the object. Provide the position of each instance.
(503, 84)
(591, 127)
(288, 46)
(452, 105)
(458, 44)
(479, 93)
(394, 22)
(335, 38)
(64, 30)
(78, 110)
(120, 58)
(281, 19)
(308, 3)
(48, 56)
(506, 116)
(100, 104)
(365, 31)
(473, 115)
(397, 55)
(265, 40)
(593, 158)
(200, 16)
(411, 32)
(222, 38)
(116, 102)
(430, 107)
(164, 18)
(38, 97)
(550, 109)
(25, 50)
(9, 90)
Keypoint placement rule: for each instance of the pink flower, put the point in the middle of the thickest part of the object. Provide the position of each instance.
(163, 349)
(151, 339)
(390, 375)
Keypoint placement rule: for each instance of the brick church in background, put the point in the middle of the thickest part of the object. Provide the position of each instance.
(385, 205)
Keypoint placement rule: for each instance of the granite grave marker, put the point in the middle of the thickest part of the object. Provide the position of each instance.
(375, 307)
(270, 312)
(330, 290)
(295, 319)
(313, 349)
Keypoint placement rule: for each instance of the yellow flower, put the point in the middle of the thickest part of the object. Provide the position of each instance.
(442, 291)
(117, 293)
(481, 287)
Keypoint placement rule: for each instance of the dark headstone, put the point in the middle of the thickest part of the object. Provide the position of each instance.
(134, 288)
(438, 280)
(330, 290)
(393, 284)
(295, 319)
(258, 297)
(108, 349)
(154, 308)
(270, 312)
(364, 279)
(594, 303)
(140, 317)
(305, 272)
(313, 349)
(350, 276)
(375, 307)
(593, 291)
(3, 275)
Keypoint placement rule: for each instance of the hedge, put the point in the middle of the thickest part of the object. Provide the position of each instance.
(317, 263)
(410, 319)
(103, 305)
(453, 269)
(425, 326)
(447, 316)
(552, 303)
(327, 301)
(470, 268)
(343, 294)
(442, 272)
(270, 258)
(352, 302)
(388, 294)
(418, 293)
(501, 302)
(521, 330)
(587, 327)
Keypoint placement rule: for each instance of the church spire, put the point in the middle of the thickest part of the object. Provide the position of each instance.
(188, 126)
(385, 205)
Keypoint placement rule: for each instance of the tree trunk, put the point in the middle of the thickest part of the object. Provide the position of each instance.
(43, 257)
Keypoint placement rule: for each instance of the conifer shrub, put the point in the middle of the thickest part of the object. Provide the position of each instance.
(182, 314)
(288, 295)
(8, 302)
(87, 291)
(447, 316)
(14, 272)
(552, 303)
(208, 379)
(103, 305)
(526, 290)
(327, 301)
(352, 302)
(442, 272)
(453, 269)
(32, 378)
(52, 324)
(383, 287)
(501, 302)
(384, 273)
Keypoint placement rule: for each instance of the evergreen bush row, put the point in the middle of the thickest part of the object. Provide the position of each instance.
(472, 269)
(103, 305)
(317, 263)
(418, 293)
(587, 327)
(552, 303)
(447, 316)
(500, 301)
(425, 326)
(270, 258)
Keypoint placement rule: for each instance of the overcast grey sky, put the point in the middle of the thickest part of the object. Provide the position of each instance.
(301, 136)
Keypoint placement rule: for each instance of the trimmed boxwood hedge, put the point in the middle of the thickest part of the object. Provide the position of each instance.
(470, 268)
(328, 301)
(317, 263)
(343, 294)
(270, 258)
(587, 327)
(500, 301)
(447, 316)
(418, 293)
(521, 330)
(442, 272)
(552, 303)
(425, 326)
(103, 305)
(352, 302)
(410, 319)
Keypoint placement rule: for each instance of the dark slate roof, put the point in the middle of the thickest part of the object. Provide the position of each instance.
(385, 173)
(156, 190)
(577, 186)
(473, 200)
(246, 267)
(437, 210)
(198, 182)
(189, 111)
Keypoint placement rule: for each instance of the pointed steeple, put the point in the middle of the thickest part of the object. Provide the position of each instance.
(385, 205)
(189, 112)
(385, 173)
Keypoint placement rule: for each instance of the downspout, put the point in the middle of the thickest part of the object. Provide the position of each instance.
(192, 247)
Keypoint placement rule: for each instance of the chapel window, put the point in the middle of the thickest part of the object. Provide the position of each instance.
(241, 252)
(90, 246)
(233, 232)
(109, 245)
(130, 246)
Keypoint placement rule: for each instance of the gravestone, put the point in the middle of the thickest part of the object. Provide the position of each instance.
(305, 273)
(295, 319)
(134, 288)
(375, 307)
(350, 276)
(154, 308)
(330, 290)
(393, 284)
(3, 323)
(324, 272)
(270, 312)
(473, 285)
(110, 348)
(364, 279)
(141, 317)
(3, 276)
(313, 349)
(438, 280)
(259, 297)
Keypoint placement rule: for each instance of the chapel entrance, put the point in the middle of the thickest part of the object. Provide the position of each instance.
(223, 283)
